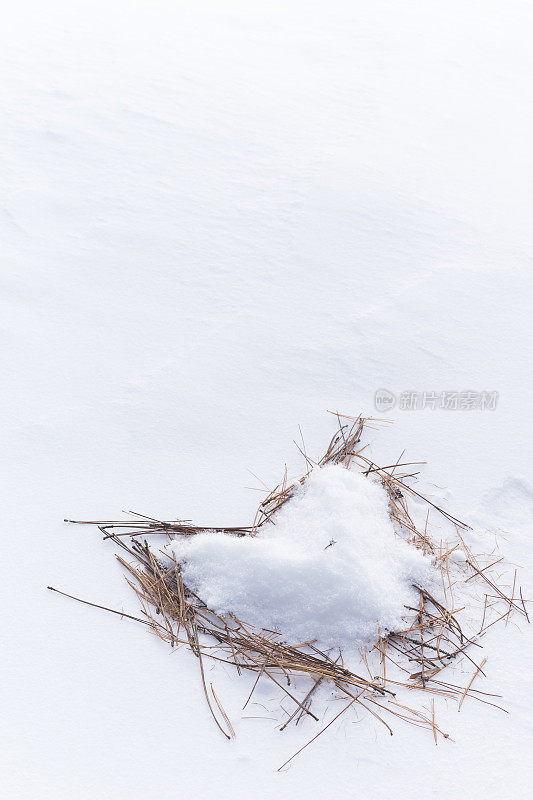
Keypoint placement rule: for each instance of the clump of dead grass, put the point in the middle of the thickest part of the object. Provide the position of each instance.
(433, 637)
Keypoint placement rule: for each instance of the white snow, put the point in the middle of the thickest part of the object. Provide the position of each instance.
(218, 220)
(331, 568)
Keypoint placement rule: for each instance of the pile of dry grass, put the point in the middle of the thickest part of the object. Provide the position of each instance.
(431, 640)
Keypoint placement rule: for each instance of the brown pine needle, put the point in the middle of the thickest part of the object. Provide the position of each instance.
(226, 718)
(318, 734)
(472, 679)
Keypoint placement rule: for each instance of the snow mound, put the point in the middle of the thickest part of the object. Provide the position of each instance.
(332, 568)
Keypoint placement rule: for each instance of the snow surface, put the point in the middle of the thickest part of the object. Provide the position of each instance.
(218, 220)
(331, 568)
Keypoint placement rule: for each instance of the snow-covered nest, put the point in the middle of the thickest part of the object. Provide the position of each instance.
(332, 563)
(332, 568)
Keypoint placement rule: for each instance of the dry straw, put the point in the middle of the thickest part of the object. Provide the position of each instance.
(431, 640)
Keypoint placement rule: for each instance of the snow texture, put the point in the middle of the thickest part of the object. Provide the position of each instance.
(331, 568)
(218, 220)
